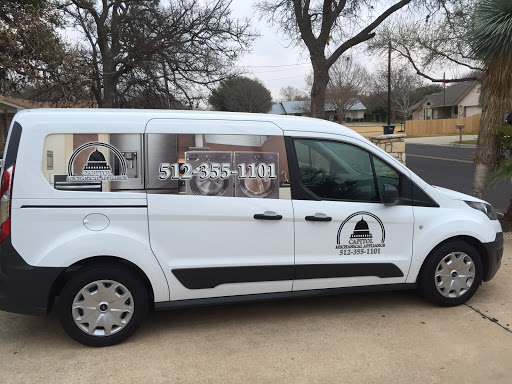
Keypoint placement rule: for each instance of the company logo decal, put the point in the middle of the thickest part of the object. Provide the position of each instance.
(367, 236)
(97, 168)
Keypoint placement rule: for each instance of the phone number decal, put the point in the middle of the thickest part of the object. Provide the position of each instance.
(359, 251)
(213, 171)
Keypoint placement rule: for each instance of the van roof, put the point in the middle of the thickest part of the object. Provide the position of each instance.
(286, 123)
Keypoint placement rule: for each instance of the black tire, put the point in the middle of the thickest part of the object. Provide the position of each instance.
(92, 274)
(427, 285)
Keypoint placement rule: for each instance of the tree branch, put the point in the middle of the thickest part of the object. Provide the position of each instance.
(408, 56)
(367, 33)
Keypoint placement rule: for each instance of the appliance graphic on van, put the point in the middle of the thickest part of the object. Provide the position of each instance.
(97, 168)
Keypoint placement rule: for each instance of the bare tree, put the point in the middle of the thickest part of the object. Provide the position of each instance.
(177, 49)
(340, 25)
(348, 80)
(472, 35)
(405, 89)
(290, 93)
(437, 41)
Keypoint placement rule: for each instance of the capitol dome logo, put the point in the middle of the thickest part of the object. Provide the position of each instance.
(97, 168)
(368, 234)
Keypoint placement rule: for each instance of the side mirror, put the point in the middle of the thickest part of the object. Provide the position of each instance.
(389, 195)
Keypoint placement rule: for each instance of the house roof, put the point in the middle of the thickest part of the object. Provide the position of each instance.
(277, 109)
(293, 107)
(357, 106)
(453, 94)
(14, 103)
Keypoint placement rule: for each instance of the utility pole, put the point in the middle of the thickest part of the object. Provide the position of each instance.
(389, 84)
(444, 88)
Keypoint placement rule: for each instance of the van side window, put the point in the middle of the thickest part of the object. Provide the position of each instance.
(213, 165)
(338, 171)
(385, 175)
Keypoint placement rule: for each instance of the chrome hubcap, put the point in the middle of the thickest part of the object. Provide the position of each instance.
(103, 308)
(455, 275)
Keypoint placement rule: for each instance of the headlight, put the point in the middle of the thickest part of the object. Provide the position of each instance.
(485, 208)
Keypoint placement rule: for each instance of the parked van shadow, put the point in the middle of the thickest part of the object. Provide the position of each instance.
(286, 310)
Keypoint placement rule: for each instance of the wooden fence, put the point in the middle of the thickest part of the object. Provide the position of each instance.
(442, 126)
(369, 130)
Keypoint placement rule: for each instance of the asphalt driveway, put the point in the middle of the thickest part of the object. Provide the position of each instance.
(354, 338)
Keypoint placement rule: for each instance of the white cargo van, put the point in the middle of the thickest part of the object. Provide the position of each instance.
(119, 212)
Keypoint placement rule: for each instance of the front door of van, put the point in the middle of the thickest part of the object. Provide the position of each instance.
(219, 206)
(344, 235)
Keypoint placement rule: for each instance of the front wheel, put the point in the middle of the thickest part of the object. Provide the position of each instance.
(103, 305)
(451, 274)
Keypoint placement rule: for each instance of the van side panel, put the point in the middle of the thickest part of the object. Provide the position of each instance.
(49, 225)
(433, 227)
(64, 240)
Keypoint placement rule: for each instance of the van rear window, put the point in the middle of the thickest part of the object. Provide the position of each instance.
(12, 147)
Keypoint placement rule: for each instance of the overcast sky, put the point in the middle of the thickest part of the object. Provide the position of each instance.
(277, 63)
(270, 60)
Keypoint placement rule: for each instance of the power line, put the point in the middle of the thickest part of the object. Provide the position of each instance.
(278, 70)
(284, 78)
(275, 66)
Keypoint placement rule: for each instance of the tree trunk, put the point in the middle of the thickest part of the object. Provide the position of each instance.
(108, 84)
(319, 88)
(508, 214)
(496, 98)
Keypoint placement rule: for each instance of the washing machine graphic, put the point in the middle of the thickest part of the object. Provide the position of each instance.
(257, 187)
(209, 187)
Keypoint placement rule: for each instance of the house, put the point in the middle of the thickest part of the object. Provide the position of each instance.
(8, 108)
(457, 100)
(302, 108)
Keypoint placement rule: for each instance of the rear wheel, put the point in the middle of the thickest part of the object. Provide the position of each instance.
(103, 305)
(451, 274)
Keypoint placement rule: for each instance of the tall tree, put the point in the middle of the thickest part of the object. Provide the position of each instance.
(491, 39)
(176, 49)
(241, 94)
(348, 81)
(342, 24)
(34, 60)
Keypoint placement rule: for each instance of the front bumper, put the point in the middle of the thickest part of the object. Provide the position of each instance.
(495, 253)
(24, 288)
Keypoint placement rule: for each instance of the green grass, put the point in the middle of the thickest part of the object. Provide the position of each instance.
(465, 142)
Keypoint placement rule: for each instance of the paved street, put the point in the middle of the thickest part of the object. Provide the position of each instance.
(393, 337)
(452, 167)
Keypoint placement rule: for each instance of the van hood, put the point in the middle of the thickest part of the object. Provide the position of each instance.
(457, 195)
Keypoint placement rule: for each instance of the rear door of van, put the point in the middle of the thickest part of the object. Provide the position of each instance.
(78, 191)
(219, 206)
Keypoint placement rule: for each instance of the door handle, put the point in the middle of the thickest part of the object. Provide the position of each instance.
(267, 215)
(318, 217)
